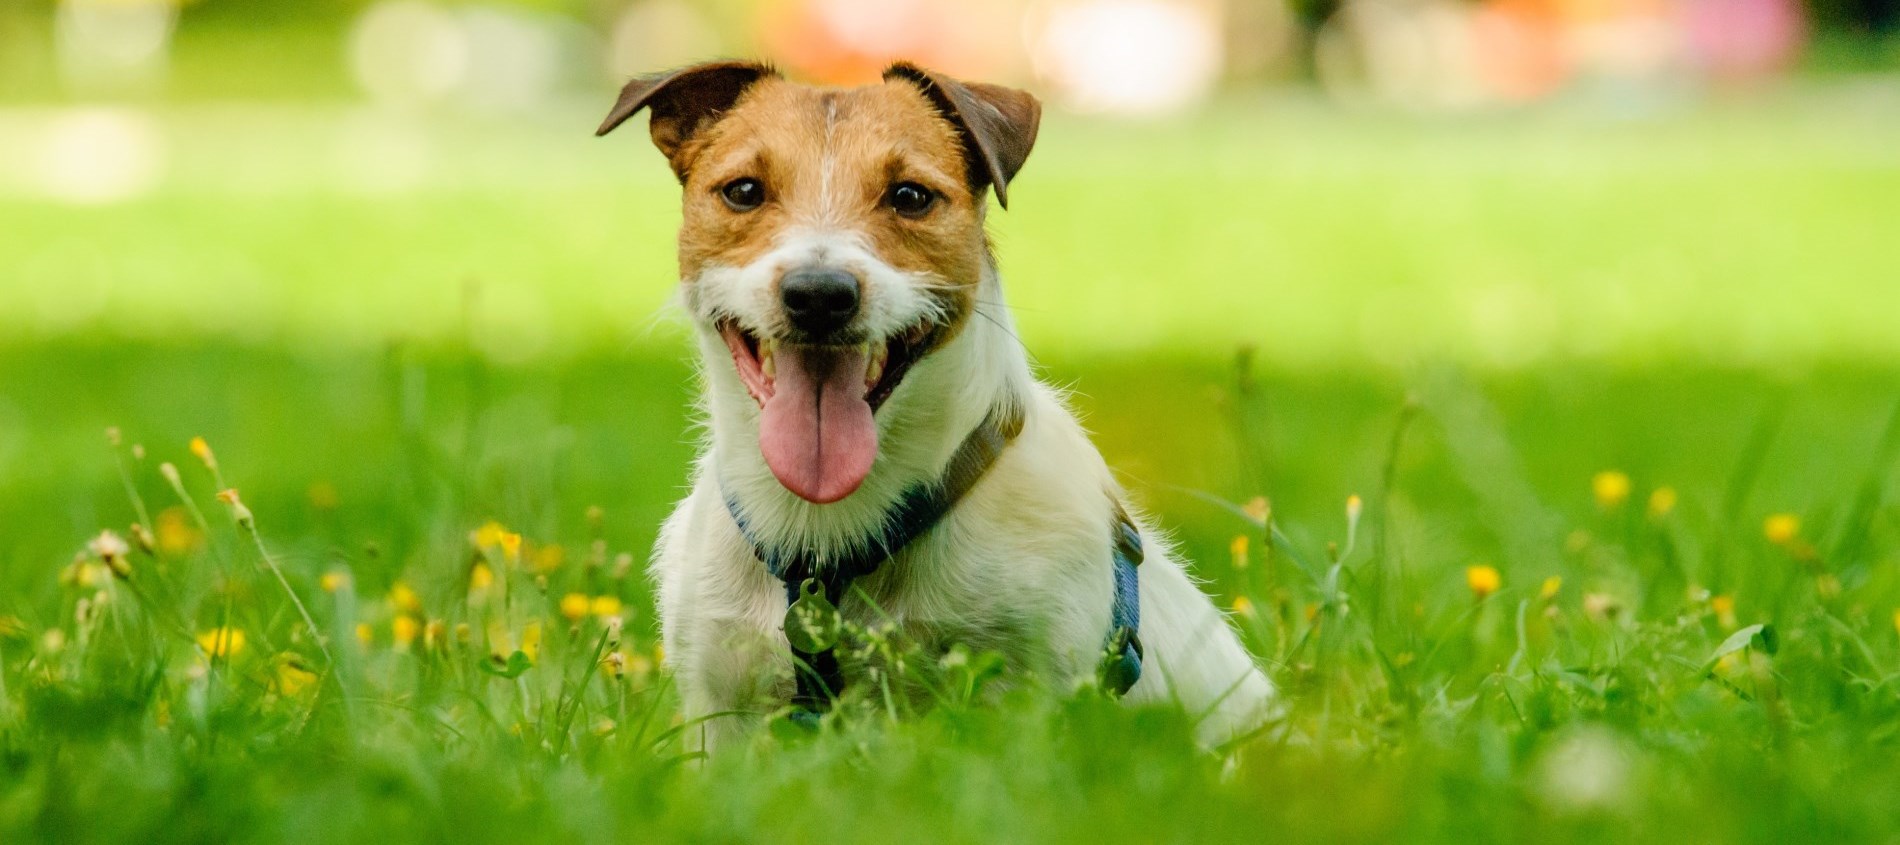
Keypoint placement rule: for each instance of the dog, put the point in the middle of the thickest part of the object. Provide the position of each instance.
(880, 457)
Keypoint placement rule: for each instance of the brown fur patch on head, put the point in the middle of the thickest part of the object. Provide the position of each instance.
(828, 159)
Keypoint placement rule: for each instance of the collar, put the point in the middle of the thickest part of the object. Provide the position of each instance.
(815, 584)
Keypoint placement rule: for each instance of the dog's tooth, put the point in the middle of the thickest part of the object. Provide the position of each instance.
(766, 363)
(874, 370)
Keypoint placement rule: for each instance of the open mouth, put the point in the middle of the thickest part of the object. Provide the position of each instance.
(816, 430)
(885, 362)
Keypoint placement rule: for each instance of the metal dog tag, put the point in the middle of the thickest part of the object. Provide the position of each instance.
(811, 623)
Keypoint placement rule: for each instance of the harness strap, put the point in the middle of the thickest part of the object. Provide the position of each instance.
(1122, 655)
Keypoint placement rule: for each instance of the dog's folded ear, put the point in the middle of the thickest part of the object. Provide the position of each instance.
(998, 124)
(684, 101)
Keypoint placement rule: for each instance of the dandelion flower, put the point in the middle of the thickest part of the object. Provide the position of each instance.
(365, 634)
(1662, 501)
(292, 677)
(175, 533)
(574, 606)
(604, 606)
(222, 642)
(333, 581)
(1611, 488)
(489, 535)
(404, 598)
(1258, 509)
(480, 578)
(1237, 550)
(1551, 585)
(202, 451)
(403, 630)
(1781, 528)
(531, 641)
(1483, 580)
(1724, 607)
(1243, 606)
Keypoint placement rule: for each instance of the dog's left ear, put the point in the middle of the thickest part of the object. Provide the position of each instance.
(998, 124)
(684, 102)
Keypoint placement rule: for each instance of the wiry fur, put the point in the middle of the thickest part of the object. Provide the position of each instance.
(1022, 565)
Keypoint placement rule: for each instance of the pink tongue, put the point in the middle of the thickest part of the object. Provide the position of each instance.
(816, 433)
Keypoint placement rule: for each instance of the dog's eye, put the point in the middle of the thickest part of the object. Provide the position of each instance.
(743, 194)
(910, 199)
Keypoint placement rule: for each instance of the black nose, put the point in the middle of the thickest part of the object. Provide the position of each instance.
(818, 300)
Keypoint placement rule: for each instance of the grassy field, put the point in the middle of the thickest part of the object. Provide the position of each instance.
(1610, 394)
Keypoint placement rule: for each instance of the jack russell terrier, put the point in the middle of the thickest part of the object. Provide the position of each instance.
(881, 464)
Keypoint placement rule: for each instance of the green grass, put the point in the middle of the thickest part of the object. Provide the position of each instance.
(1462, 324)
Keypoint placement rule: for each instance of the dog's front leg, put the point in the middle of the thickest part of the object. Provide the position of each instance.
(720, 615)
(734, 676)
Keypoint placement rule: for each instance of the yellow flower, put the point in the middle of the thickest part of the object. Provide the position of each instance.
(1781, 528)
(202, 451)
(531, 641)
(222, 642)
(1258, 509)
(1724, 607)
(404, 598)
(1550, 588)
(480, 578)
(1238, 551)
(1243, 606)
(549, 558)
(403, 630)
(574, 606)
(292, 677)
(1662, 501)
(435, 635)
(333, 581)
(489, 535)
(176, 534)
(1611, 488)
(511, 546)
(1355, 507)
(605, 606)
(365, 634)
(1483, 580)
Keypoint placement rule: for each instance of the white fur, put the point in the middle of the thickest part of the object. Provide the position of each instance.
(1028, 549)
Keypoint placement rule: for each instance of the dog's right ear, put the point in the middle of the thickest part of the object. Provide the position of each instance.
(684, 102)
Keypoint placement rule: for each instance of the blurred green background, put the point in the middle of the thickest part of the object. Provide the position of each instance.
(1459, 258)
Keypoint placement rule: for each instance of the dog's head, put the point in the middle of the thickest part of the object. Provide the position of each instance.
(832, 238)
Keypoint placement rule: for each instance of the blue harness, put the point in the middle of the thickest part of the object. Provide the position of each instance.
(815, 585)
